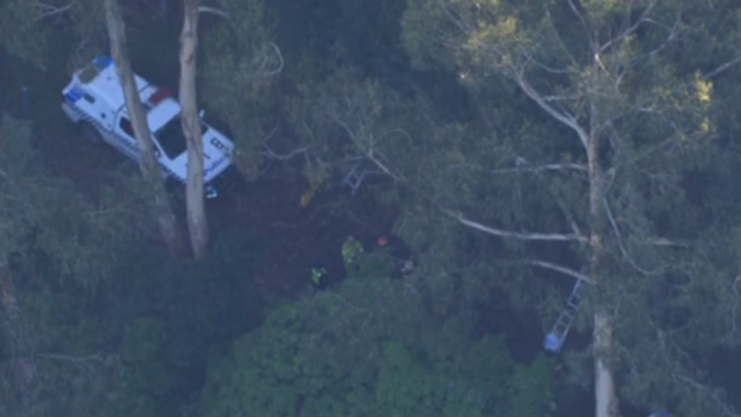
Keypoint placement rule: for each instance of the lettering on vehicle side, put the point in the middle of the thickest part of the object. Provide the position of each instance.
(219, 145)
(215, 165)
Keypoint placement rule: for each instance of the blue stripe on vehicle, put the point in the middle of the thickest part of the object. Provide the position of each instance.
(74, 94)
(103, 61)
(71, 98)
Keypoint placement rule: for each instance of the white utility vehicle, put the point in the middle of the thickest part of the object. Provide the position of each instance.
(94, 100)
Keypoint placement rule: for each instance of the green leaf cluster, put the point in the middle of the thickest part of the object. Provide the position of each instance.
(367, 349)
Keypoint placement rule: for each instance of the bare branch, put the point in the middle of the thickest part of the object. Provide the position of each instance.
(87, 364)
(566, 212)
(557, 34)
(281, 63)
(565, 118)
(49, 10)
(721, 68)
(514, 235)
(396, 131)
(272, 154)
(735, 304)
(369, 153)
(661, 241)
(727, 411)
(262, 70)
(619, 238)
(565, 97)
(561, 269)
(627, 32)
(673, 33)
(542, 168)
(578, 14)
(546, 68)
(213, 10)
(68, 357)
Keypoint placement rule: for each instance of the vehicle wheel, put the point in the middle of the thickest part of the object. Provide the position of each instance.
(90, 133)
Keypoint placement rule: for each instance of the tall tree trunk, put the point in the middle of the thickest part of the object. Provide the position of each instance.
(148, 164)
(197, 223)
(604, 385)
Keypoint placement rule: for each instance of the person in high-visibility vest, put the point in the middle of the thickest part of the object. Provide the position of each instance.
(352, 250)
(317, 275)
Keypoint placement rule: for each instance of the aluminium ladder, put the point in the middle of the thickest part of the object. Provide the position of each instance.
(355, 178)
(555, 339)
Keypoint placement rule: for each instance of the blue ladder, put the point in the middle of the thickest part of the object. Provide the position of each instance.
(355, 178)
(555, 339)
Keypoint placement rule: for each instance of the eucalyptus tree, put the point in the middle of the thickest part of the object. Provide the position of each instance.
(241, 68)
(613, 120)
(191, 125)
(148, 164)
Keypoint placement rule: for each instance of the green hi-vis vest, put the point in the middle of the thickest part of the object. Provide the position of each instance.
(351, 251)
(317, 274)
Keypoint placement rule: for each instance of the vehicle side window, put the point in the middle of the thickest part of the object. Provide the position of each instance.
(125, 125)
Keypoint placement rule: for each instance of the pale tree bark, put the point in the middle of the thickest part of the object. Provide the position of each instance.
(148, 161)
(196, 207)
(606, 400)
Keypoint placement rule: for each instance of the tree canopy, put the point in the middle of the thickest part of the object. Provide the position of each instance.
(507, 150)
(345, 352)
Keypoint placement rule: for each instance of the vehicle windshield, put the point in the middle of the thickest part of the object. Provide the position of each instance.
(171, 138)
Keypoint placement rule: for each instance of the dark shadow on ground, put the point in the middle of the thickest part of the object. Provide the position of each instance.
(297, 239)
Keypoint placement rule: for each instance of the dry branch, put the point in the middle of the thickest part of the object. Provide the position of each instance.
(561, 269)
(554, 237)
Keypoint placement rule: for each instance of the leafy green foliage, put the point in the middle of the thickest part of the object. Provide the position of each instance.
(368, 349)
(346, 119)
(138, 344)
(181, 310)
(241, 65)
(18, 35)
(33, 31)
(46, 219)
(602, 74)
(461, 134)
(373, 264)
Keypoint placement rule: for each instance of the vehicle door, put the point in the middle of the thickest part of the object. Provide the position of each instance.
(162, 159)
(125, 139)
(130, 147)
